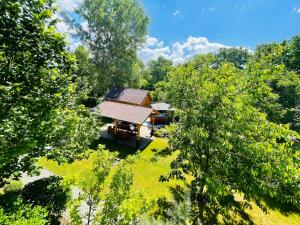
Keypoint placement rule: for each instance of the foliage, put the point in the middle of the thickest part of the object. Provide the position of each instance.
(292, 55)
(237, 56)
(114, 207)
(157, 70)
(120, 206)
(86, 70)
(13, 186)
(162, 132)
(113, 32)
(48, 193)
(160, 93)
(139, 76)
(40, 112)
(91, 189)
(21, 213)
(269, 65)
(226, 143)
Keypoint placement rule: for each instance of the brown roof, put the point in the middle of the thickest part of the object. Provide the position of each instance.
(129, 95)
(124, 112)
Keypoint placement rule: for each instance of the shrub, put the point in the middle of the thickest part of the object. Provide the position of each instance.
(48, 193)
(13, 186)
(20, 213)
(162, 132)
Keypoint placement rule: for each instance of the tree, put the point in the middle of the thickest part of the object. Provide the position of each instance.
(139, 76)
(90, 191)
(157, 70)
(237, 56)
(86, 70)
(50, 194)
(269, 65)
(117, 205)
(40, 112)
(226, 143)
(113, 30)
(292, 55)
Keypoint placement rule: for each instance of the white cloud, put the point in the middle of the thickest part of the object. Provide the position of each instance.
(153, 42)
(178, 52)
(68, 5)
(176, 13)
(296, 9)
(152, 49)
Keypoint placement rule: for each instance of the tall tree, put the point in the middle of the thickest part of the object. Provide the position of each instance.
(237, 56)
(271, 64)
(157, 70)
(113, 30)
(39, 110)
(226, 143)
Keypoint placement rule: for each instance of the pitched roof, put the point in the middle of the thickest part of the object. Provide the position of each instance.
(129, 95)
(124, 112)
(160, 106)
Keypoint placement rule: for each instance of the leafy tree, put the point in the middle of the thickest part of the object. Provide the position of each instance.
(160, 91)
(237, 56)
(113, 30)
(86, 70)
(292, 55)
(157, 70)
(90, 191)
(269, 66)
(226, 143)
(40, 112)
(118, 206)
(48, 193)
(139, 76)
(21, 213)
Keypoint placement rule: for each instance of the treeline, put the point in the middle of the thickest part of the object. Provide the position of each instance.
(153, 76)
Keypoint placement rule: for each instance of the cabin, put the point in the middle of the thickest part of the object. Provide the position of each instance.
(130, 96)
(129, 108)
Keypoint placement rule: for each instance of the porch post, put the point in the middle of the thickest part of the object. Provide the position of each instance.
(138, 137)
(152, 129)
(116, 128)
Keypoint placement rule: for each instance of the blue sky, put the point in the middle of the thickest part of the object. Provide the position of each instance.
(230, 22)
(180, 29)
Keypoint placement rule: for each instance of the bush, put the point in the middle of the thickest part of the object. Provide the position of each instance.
(20, 213)
(13, 186)
(48, 193)
(162, 132)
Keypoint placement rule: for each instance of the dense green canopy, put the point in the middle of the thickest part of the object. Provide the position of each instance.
(226, 142)
(40, 111)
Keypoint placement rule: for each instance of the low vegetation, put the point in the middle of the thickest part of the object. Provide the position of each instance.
(153, 162)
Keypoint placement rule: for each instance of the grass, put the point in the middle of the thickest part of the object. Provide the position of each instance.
(147, 171)
(274, 217)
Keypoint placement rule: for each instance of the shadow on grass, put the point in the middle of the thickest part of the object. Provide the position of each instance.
(183, 208)
(283, 208)
(162, 153)
(112, 146)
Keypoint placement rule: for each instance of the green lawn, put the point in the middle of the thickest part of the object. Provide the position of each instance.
(146, 171)
(146, 176)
